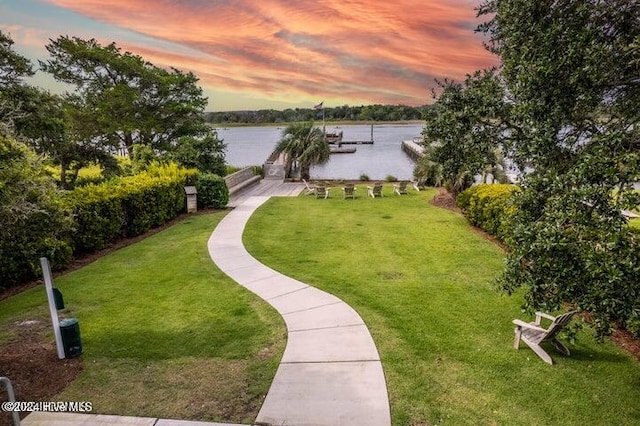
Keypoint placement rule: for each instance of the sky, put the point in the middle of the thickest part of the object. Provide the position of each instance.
(255, 54)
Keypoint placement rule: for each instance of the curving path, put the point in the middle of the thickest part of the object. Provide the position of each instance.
(330, 372)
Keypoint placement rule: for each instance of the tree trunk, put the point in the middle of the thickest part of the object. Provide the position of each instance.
(305, 172)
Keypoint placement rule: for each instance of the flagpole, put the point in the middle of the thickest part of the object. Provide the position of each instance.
(321, 106)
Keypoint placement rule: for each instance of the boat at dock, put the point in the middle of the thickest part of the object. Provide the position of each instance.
(335, 137)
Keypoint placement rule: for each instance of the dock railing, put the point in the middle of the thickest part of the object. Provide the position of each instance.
(241, 179)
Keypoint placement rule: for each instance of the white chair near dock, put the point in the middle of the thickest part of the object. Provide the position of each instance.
(310, 189)
(400, 188)
(321, 191)
(533, 334)
(417, 185)
(349, 190)
(375, 190)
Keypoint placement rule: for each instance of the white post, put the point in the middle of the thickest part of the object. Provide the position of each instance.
(48, 283)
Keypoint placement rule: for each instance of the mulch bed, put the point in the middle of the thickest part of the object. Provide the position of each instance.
(31, 363)
(445, 200)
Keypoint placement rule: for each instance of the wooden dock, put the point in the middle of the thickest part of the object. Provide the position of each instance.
(413, 149)
(356, 143)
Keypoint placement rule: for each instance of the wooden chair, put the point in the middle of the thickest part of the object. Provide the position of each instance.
(321, 191)
(349, 190)
(533, 334)
(417, 185)
(310, 189)
(375, 190)
(400, 188)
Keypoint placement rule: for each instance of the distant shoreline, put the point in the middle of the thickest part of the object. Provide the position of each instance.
(319, 122)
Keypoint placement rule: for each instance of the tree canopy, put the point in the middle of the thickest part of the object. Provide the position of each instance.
(339, 113)
(13, 66)
(564, 106)
(463, 128)
(123, 99)
(571, 78)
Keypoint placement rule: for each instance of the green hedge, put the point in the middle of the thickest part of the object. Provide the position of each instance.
(127, 206)
(487, 207)
(212, 191)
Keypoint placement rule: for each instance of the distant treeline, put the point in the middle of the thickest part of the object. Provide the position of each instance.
(340, 113)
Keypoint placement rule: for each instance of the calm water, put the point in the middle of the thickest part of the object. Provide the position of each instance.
(252, 145)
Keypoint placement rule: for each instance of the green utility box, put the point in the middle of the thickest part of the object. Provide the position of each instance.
(70, 330)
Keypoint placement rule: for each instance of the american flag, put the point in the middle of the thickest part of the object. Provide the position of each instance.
(318, 106)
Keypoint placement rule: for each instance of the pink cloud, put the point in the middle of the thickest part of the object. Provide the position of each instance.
(368, 51)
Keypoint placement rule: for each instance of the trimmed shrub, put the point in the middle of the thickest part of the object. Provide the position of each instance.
(212, 191)
(487, 206)
(98, 213)
(128, 206)
(92, 174)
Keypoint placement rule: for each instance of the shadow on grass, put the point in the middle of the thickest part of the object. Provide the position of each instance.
(219, 339)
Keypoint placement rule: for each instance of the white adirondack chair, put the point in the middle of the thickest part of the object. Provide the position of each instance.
(375, 190)
(321, 191)
(349, 190)
(533, 334)
(310, 189)
(400, 188)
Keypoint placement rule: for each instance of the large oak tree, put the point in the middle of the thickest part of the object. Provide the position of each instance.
(571, 70)
(124, 100)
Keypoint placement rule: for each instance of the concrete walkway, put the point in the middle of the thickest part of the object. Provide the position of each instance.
(330, 373)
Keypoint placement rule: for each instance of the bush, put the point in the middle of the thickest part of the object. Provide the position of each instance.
(204, 153)
(98, 214)
(487, 206)
(33, 219)
(212, 191)
(258, 170)
(232, 169)
(128, 206)
(364, 177)
(92, 174)
(391, 178)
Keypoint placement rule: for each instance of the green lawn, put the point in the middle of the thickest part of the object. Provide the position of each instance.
(165, 333)
(423, 281)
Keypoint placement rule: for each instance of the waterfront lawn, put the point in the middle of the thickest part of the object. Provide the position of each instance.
(165, 333)
(423, 281)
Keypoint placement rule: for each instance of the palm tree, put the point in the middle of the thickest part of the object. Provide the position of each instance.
(305, 145)
(428, 171)
(496, 169)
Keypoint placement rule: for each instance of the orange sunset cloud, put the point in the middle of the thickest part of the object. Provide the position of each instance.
(341, 51)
